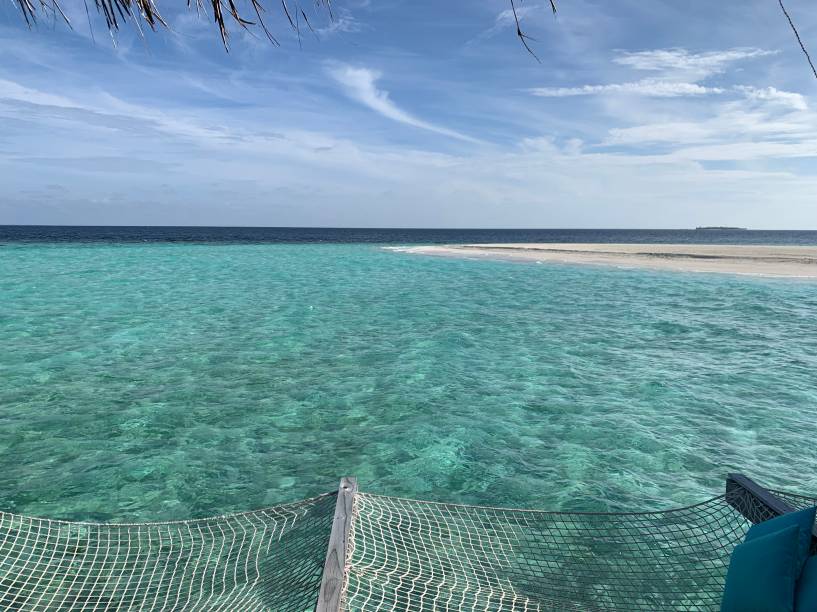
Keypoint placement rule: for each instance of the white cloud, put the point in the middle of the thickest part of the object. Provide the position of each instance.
(102, 111)
(694, 66)
(547, 179)
(681, 75)
(534, 184)
(9, 90)
(342, 23)
(675, 132)
(758, 124)
(770, 94)
(749, 151)
(647, 87)
(360, 84)
(505, 20)
(747, 130)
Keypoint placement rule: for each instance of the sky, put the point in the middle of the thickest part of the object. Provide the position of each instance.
(416, 113)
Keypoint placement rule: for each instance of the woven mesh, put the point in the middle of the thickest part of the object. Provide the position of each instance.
(264, 560)
(403, 555)
(795, 500)
(413, 555)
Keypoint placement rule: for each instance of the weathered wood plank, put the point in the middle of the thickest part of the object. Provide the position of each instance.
(333, 568)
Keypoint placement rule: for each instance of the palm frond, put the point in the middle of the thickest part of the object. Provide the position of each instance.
(245, 14)
(797, 36)
(227, 12)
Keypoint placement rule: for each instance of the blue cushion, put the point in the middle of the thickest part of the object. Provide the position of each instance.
(806, 598)
(804, 519)
(762, 574)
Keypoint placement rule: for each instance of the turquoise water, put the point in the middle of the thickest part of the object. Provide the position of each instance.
(170, 381)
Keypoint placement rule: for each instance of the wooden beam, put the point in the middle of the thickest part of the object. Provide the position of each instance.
(738, 484)
(335, 565)
(774, 504)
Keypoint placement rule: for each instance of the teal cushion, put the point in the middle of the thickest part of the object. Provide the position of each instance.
(804, 519)
(762, 574)
(806, 598)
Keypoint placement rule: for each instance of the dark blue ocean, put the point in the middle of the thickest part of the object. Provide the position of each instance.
(250, 235)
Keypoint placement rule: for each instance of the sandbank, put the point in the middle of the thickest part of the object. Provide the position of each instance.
(759, 260)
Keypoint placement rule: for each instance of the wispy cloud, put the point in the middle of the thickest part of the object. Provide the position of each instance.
(11, 91)
(646, 87)
(750, 124)
(671, 89)
(770, 94)
(360, 84)
(694, 66)
(100, 110)
(681, 74)
(343, 23)
(505, 20)
(666, 133)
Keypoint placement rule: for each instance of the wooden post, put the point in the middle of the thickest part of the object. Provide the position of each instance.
(333, 568)
(739, 487)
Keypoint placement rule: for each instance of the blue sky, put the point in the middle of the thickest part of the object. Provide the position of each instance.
(417, 113)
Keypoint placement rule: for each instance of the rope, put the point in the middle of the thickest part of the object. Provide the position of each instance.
(269, 559)
(407, 554)
(402, 554)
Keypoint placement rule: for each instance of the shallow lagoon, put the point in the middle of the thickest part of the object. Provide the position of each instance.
(164, 381)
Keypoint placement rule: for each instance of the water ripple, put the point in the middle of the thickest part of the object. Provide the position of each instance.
(166, 381)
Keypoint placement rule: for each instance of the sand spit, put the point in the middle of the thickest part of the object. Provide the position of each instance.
(782, 261)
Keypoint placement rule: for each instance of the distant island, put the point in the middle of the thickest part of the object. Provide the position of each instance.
(720, 227)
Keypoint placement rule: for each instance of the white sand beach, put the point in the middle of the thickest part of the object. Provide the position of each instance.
(782, 261)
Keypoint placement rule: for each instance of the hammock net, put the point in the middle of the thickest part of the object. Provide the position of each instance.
(265, 560)
(426, 556)
(400, 555)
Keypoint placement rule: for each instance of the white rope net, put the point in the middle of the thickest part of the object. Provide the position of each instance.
(414, 555)
(269, 559)
(401, 555)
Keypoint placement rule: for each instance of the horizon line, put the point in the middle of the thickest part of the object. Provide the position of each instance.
(410, 228)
